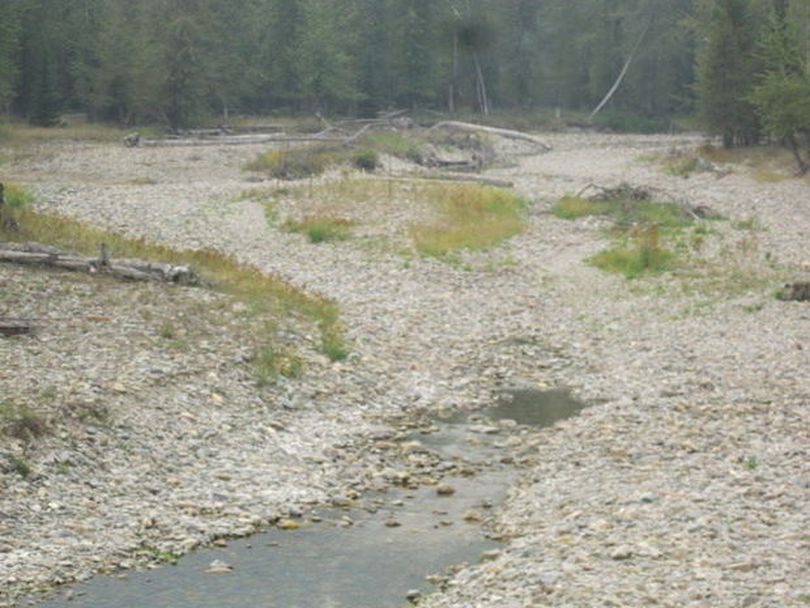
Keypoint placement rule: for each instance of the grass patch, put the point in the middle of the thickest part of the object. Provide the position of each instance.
(16, 196)
(272, 363)
(21, 422)
(626, 214)
(682, 166)
(471, 217)
(297, 163)
(642, 254)
(573, 207)
(321, 229)
(395, 144)
(261, 292)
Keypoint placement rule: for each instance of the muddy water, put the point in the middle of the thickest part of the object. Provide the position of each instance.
(362, 562)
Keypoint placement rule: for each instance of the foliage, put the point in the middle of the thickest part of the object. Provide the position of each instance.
(782, 98)
(641, 254)
(16, 196)
(272, 363)
(726, 68)
(21, 422)
(321, 229)
(296, 163)
(182, 62)
(366, 160)
(245, 282)
(471, 217)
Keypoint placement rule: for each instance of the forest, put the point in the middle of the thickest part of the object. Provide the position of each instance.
(741, 66)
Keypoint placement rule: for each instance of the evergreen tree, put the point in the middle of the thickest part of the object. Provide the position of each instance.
(726, 70)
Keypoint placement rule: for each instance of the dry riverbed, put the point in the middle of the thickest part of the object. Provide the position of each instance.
(687, 485)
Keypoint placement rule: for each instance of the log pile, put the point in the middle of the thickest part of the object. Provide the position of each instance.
(132, 270)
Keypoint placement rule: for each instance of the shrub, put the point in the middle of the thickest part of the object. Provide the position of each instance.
(296, 163)
(366, 160)
(20, 422)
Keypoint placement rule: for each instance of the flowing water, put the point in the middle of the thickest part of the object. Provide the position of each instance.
(334, 564)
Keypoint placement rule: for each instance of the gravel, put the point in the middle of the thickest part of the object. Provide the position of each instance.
(685, 485)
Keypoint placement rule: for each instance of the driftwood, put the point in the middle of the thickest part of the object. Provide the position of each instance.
(506, 133)
(132, 270)
(15, 327)
(236, 140)
(450, 177)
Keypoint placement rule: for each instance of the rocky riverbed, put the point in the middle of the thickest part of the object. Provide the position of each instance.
(688, 485)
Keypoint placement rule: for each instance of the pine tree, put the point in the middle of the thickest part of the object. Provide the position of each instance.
(726, 70)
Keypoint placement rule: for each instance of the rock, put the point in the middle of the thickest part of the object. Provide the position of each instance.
(219, 567)
(288, 524)
(413, 596)
(472, 516)
(445, 489)
(492, 554)
(621, 553)
(392, 523)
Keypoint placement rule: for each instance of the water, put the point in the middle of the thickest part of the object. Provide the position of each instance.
(367, 565)
(535, 408)
(320, 565)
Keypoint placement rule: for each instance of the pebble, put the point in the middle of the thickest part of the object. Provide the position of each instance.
(699, 388)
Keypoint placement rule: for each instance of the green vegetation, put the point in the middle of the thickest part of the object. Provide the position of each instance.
(272, 363)
(366, 160)
(21, 422)
(395, 144)
(573, 207)
(296, 163)
(321, 229)
(164, 557)
(16, 196)
(639, 255)
(20, 465)
(471, 217)
(262, 293)
(625, 213)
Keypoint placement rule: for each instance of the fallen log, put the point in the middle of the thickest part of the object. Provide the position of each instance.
(450, 177)
(15, 327)
(132, 270)
(235, 140)
(506, 133)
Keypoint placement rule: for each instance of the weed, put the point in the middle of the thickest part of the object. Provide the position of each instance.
(272, 363)
(164, 557)
(572, 208)
(366, 160)
(168, 331)
(682, 166)
(21, 466)
(262, 292)
(395, 144)
(472, 217)
(643, 255)
(333, 344)
(64, 468)
(750, 223)
(751, 463)
(754, 308)
(297, 163)
(321, 229)
(20, 422)
(17, 197)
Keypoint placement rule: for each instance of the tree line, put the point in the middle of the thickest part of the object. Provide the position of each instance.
(178, 62)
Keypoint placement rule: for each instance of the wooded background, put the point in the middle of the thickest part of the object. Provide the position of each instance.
(182, 62)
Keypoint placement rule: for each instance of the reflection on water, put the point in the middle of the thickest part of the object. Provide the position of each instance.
(535, 408)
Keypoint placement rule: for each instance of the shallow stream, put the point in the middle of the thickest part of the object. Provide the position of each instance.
(358, 558)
